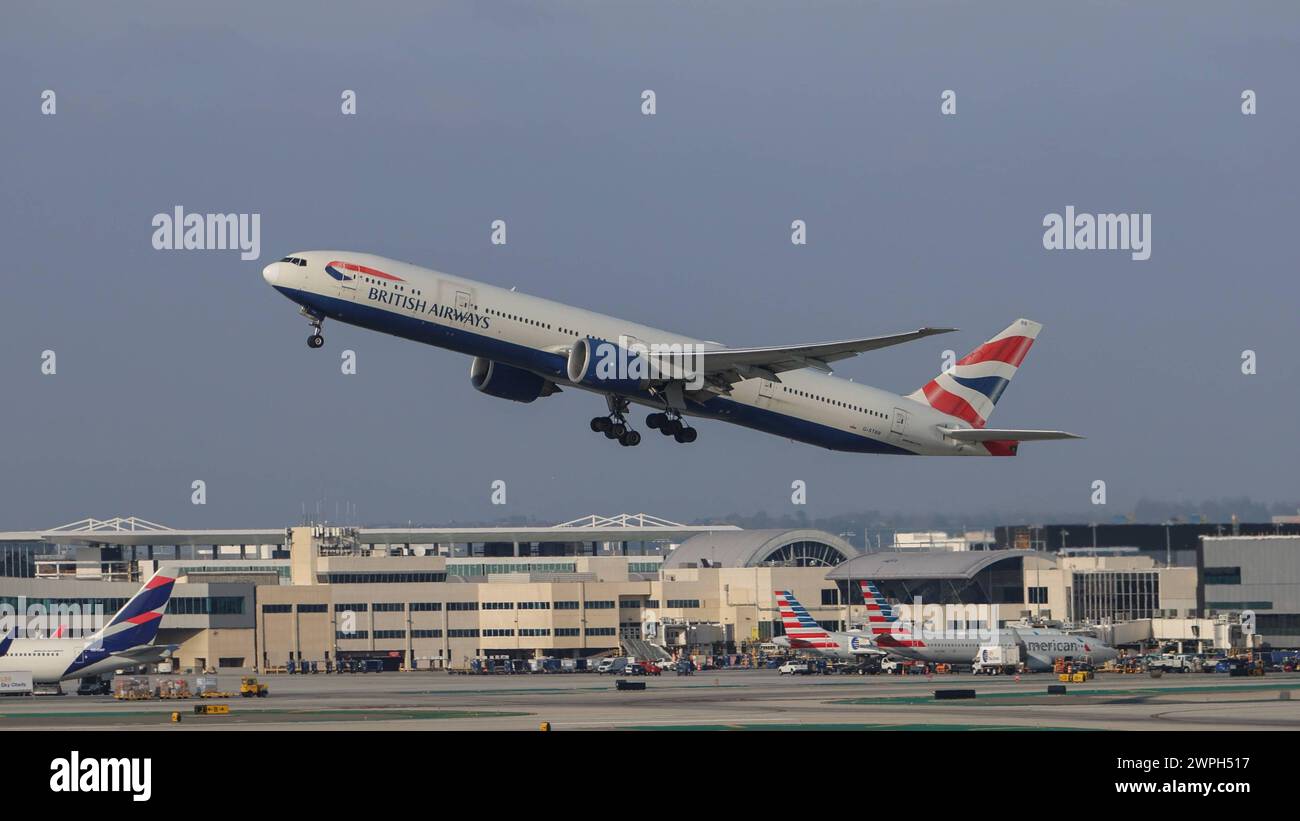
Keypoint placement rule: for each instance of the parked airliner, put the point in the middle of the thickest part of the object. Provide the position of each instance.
(525, 347)
(126, 641)
(1039, 647)
(802, 632)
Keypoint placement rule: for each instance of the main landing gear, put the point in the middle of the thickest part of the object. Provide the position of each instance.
(615, 426)
(315, 320)
(671, 424)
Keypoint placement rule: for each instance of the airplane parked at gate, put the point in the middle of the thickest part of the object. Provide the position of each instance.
(1040, 648)
(525, 347)
(126, 641)
(802, 632)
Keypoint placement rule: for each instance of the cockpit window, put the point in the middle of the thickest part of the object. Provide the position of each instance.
(299, 261)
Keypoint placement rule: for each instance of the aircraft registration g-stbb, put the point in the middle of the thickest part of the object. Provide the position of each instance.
(525, 347)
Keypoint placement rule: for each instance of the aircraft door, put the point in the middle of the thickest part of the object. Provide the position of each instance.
(347, 280)
(764, 393)
(899, 426)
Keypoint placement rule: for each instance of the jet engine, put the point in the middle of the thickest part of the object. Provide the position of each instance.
(508, 382)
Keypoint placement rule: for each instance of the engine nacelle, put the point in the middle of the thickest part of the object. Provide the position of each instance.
(601, 364)
(507, 382)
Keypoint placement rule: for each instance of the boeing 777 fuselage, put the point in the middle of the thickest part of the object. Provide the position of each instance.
(526, 347)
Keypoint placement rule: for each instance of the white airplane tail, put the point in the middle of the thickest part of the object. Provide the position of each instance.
(971, 388)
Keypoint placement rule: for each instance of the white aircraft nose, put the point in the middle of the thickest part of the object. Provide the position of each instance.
(271, 273)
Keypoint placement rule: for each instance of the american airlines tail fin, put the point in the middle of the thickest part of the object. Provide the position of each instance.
(971, 388)
(880, 613)
(800, 627)
(137, 622)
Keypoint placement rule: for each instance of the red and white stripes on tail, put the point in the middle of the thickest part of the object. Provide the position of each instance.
(801, 629)
(971, 388)
(883, 621)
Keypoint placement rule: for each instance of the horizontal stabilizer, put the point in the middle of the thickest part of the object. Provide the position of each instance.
(1005, 435)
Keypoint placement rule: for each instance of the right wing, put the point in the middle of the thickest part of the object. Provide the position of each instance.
(731, 365)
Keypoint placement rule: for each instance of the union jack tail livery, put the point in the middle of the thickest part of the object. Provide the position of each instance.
(801, 628)
(137, 622)
(971, 388)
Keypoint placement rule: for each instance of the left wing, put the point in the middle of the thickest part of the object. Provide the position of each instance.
(1005, 435)
(733, 365)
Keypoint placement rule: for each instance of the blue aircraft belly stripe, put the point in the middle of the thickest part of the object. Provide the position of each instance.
(554, 365)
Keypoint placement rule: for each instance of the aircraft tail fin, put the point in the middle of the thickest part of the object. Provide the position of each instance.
(138, 620)
(880, 613)
(8, 640)
(971, 388)
(798, 622)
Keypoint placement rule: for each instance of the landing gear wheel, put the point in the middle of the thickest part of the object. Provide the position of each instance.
(630, 439)
(654, 420)
(690, 435)
(315, 341)
(618, 429)
(680, 436)
(610, 434)
(599, 424)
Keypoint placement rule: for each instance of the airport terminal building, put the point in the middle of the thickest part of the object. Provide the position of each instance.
(443, 597)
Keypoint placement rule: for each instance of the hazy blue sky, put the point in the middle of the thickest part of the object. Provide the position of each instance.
(176, 366)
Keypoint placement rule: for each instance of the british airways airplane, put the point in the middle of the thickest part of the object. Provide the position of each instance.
(127, 640)
(525, 347)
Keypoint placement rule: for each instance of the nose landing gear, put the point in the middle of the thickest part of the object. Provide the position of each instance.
(315, 320)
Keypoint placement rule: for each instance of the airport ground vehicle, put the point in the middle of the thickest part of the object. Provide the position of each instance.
(996, 659)
(614, 666)
(684, 668)
(1171, 663)
(795, 668)
(250, 686)
(17, 683)
(95, 686)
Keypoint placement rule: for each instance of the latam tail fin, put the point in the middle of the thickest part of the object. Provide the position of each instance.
(7, 641)
(797, 621)
(971, 388)
(138, 620)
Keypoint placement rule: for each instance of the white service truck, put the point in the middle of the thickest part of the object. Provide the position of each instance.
(16, 684)
(995, 659)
